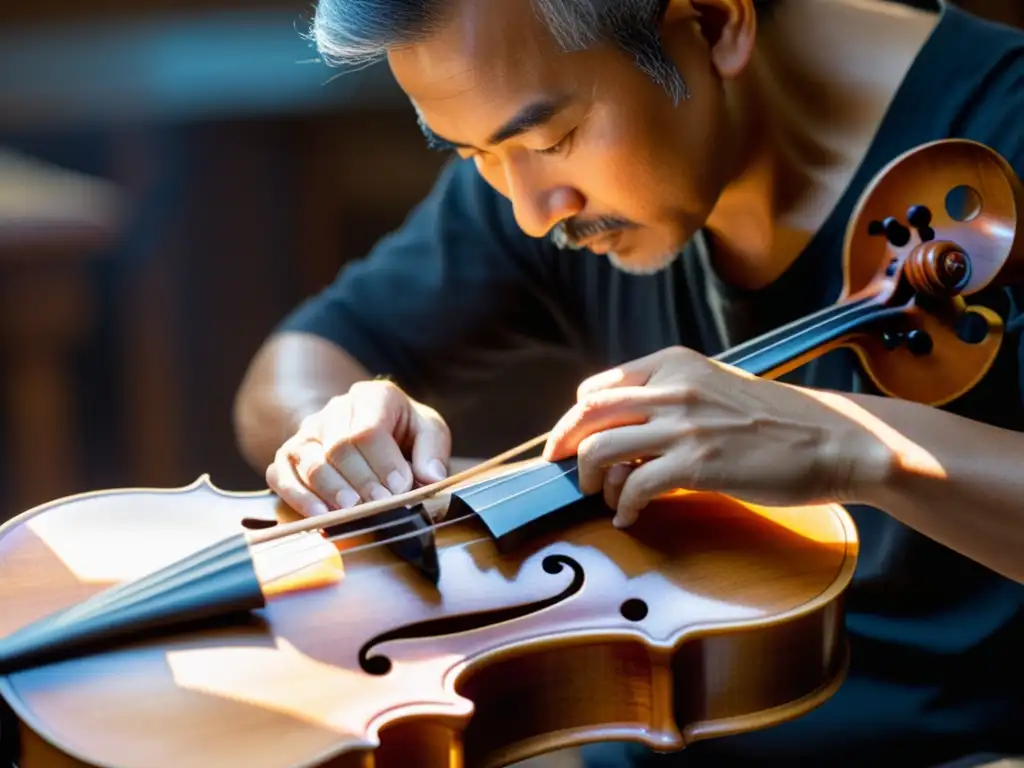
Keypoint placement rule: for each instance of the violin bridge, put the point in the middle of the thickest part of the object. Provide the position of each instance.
(412, 539)
(406, 531)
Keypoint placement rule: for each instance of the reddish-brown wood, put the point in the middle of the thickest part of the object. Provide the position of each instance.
(744, 628)
(708, 617)
(986, 242)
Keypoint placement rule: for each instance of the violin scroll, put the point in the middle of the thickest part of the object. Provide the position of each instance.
(940, 269)
(953, 191)
(937, 226)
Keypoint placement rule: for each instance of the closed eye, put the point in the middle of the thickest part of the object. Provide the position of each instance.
(561, 146)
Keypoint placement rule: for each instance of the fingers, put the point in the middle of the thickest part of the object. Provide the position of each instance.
(283, 480)
(351, 450)
(635, 373)
(614, 479)
(357, 434)
(628, 375)
(599, 411)
(431, 447)
(350, 463)
(646, 482)
(622, 445)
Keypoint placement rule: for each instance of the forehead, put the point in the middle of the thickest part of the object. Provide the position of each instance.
(486, 54)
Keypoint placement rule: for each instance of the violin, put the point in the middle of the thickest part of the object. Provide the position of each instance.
(152, 628)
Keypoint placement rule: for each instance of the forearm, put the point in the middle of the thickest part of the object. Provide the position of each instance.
(957, 481)
(291, 377)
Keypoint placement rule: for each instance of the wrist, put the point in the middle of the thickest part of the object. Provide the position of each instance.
(883, 464)
(874, 468)
(860, 459)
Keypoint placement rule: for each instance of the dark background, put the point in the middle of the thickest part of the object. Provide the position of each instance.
(245, 180)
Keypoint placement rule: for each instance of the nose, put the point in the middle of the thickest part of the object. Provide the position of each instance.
(537, 203)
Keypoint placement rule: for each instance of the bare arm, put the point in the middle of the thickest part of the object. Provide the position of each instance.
(292, 376)
(961, 482)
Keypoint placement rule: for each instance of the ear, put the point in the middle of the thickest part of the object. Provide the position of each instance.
(728, 26)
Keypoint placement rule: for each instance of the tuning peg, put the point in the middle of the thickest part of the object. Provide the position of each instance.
(920, 219)
(895, 232)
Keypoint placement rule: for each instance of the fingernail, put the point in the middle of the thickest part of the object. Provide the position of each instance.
(347, 498)
(396, 482)
(379, 492)
(436, 468)
(315, 509)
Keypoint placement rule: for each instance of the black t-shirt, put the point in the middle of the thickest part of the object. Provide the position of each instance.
(936, 638)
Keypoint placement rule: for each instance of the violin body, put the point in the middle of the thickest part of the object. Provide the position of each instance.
(708, 617)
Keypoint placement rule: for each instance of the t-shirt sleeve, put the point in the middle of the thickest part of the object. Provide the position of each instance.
(453, 292)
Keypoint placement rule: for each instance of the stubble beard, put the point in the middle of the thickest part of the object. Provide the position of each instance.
(636, 267)
(643, 267)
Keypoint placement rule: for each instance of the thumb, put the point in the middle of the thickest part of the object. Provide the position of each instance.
(431, 444)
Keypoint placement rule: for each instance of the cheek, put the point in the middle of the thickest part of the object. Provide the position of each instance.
(644, 163)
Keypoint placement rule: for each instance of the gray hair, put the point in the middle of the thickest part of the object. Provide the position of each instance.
(360, 32)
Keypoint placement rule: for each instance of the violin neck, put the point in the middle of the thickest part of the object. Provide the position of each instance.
(516, 500)
(780, 351)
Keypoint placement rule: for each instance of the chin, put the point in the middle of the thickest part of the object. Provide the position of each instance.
(643, 264)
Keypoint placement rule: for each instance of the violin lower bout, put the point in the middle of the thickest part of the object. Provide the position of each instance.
(704, 619)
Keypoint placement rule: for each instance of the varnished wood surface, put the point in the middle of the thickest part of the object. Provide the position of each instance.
(926, 176)
(744, 611)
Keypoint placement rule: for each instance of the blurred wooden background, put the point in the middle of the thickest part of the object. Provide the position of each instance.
(173, 179)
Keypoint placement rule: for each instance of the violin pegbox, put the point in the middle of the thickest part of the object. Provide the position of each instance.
(944, 217)
(935, 227)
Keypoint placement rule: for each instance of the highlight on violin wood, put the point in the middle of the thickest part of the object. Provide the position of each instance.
(682, 628)
(938, 224)
(318, 642)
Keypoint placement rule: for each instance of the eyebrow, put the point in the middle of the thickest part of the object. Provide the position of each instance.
(533, 115)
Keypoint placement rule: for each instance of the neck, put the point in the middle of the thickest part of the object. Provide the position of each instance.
(806, 108)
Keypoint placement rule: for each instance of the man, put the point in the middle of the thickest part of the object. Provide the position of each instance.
(651, 182)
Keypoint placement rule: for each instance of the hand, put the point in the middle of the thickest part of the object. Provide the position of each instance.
(677, 420)
(355, 449)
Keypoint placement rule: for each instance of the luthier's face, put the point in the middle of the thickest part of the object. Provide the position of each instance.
(585, 145)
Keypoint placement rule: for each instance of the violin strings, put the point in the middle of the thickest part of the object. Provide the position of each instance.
(151, 582)
(374, 544)
(309, 545)
(368, 509)
(829, 315)
(475, 488)
(305, 545)
(132, 589)
(432, 527)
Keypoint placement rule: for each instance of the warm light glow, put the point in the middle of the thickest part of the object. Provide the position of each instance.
(299, 562)
(809, 521)
(911, 456)
(283, 679)
(125, 542)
